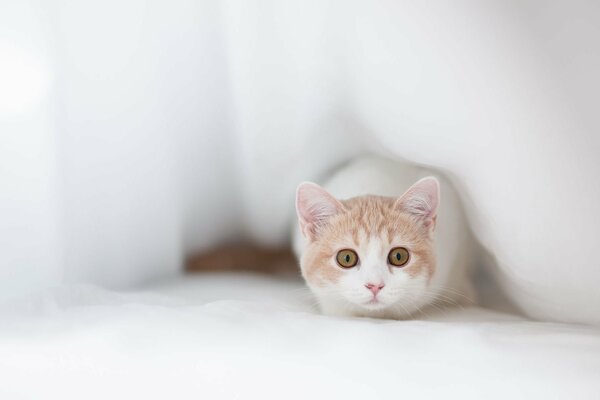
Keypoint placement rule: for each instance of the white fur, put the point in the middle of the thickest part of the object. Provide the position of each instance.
(403, 295)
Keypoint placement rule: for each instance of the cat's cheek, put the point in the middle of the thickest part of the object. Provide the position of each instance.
(422, 264)
(322, 274)
(324, 279)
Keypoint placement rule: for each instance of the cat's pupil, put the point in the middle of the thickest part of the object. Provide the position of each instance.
(347, 258)
(398, 256)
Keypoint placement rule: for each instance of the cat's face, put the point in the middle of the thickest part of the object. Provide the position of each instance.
(369, 253)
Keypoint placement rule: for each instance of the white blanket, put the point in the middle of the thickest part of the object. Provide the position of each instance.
(245, 336)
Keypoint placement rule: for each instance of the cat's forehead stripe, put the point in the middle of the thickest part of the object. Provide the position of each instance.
(375, 216)
(355, 237)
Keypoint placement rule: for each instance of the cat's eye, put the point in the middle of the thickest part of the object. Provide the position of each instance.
(398, 256)
(347, 258)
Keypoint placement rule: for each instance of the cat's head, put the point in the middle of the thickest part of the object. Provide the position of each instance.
(369, 252)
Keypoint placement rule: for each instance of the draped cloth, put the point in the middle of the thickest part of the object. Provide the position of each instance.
(134, 133)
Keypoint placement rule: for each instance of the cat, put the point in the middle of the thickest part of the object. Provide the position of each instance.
(367, 249)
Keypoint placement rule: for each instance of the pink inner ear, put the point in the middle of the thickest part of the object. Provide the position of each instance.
(422, 200)
(314, 206)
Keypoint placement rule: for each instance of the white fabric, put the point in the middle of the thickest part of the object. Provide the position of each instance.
(232, 336)
(133, 133)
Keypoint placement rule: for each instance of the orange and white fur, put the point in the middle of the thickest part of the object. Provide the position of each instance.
(369, 209)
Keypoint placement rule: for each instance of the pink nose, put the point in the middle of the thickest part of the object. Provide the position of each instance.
(374, 288)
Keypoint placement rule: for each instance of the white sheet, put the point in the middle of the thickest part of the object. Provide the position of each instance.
(189, 123)
(245, 336)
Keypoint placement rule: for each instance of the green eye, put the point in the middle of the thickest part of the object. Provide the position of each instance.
(347, 258)
(398, 256)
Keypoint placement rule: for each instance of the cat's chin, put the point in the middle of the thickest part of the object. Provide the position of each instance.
(373, 305)
(381, 309)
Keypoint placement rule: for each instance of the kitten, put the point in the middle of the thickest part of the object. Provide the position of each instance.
(372, 251)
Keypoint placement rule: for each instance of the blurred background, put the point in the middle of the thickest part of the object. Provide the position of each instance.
(135, 134)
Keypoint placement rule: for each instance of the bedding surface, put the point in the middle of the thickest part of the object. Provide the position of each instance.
(225, 336)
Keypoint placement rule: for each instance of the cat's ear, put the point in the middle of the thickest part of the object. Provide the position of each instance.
(422, 200)
(314, 206)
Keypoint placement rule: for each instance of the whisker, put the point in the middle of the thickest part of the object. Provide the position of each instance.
(454, 291)
(419, 309)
